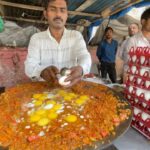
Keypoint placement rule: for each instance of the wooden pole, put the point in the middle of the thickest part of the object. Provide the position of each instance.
(34, 21)
(38, 8)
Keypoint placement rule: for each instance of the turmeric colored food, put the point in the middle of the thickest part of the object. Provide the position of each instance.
(43, 117)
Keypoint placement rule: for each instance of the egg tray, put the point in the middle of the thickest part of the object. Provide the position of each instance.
(140, 106)
(139, 71)
(145, 51)
(134, 83)
(139, 59)
(142, 117)
(141, 96)
(141, 122)
(142, 129)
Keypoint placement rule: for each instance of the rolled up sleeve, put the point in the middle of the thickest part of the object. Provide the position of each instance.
(33, 65)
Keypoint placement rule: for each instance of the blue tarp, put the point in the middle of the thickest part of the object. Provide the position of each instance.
(117, 15)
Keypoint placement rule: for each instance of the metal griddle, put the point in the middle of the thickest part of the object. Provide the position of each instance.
(120, 130)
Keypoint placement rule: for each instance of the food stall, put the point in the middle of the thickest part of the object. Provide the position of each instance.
(39, 115)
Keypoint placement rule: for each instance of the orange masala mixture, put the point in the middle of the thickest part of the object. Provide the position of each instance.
(39, 116)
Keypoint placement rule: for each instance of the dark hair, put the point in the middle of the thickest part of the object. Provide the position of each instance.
(48, 1)
(146, 14)
(108, 28)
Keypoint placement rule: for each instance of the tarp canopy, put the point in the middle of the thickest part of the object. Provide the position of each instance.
(112, 21)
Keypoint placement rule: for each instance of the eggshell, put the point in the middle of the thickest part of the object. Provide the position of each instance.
(134, 58)
(62, 81)
(145, 116)
(142, 60)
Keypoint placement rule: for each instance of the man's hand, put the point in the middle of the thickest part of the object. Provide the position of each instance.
(75, 76)
(49, 74)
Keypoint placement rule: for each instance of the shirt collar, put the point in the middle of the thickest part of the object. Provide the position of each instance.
(50, 35)
(143, 37)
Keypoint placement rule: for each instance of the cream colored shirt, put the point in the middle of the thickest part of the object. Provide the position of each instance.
(44, 51)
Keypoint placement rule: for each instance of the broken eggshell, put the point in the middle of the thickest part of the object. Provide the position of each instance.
(63, 82)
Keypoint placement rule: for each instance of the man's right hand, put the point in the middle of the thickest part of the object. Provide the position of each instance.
(49, 74)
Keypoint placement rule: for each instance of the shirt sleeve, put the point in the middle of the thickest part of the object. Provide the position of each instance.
(82, 54)
(98, 52)
(33, 65)
(122, 50)
(128, 45)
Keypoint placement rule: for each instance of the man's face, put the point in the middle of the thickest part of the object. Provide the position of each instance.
(109, 34)
(146, 24)
(133, 29)
(56, 14)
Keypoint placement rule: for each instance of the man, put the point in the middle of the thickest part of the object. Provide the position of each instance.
(141, 39)
(56, 48)
(123, 53)
(106, 54)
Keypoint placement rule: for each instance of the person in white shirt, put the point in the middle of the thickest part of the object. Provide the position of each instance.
(141, 39)
(57, 47)
(132, 30)
(123, 53)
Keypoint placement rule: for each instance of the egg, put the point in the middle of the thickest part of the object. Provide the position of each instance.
(133, 69)
(58, 107)
(71, 118)
(48, 106)
(142, 71)
(43, 122)
(136, 100)
(136, 111)
(144, 105)
(129, 96)
(147, 96)
(67, 98)
(147, 83)
(145, 116)
(67, 72)
(34, 118)
(139, 80)
(52, 115)
(41, 112)
(80, 101)
(139, 92)
(134, 58)
(51, 102)
(36, 96)
(62, 81)
(141, 124)
(131, 78)
(130, 89)
(142, 60)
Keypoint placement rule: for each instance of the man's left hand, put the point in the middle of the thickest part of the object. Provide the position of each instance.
(75, 76)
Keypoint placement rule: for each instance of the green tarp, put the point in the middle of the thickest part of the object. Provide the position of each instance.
(1, 25)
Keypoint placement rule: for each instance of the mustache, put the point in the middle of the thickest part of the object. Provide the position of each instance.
(58, 18)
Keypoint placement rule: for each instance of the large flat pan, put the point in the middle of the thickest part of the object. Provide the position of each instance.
(120, 130)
